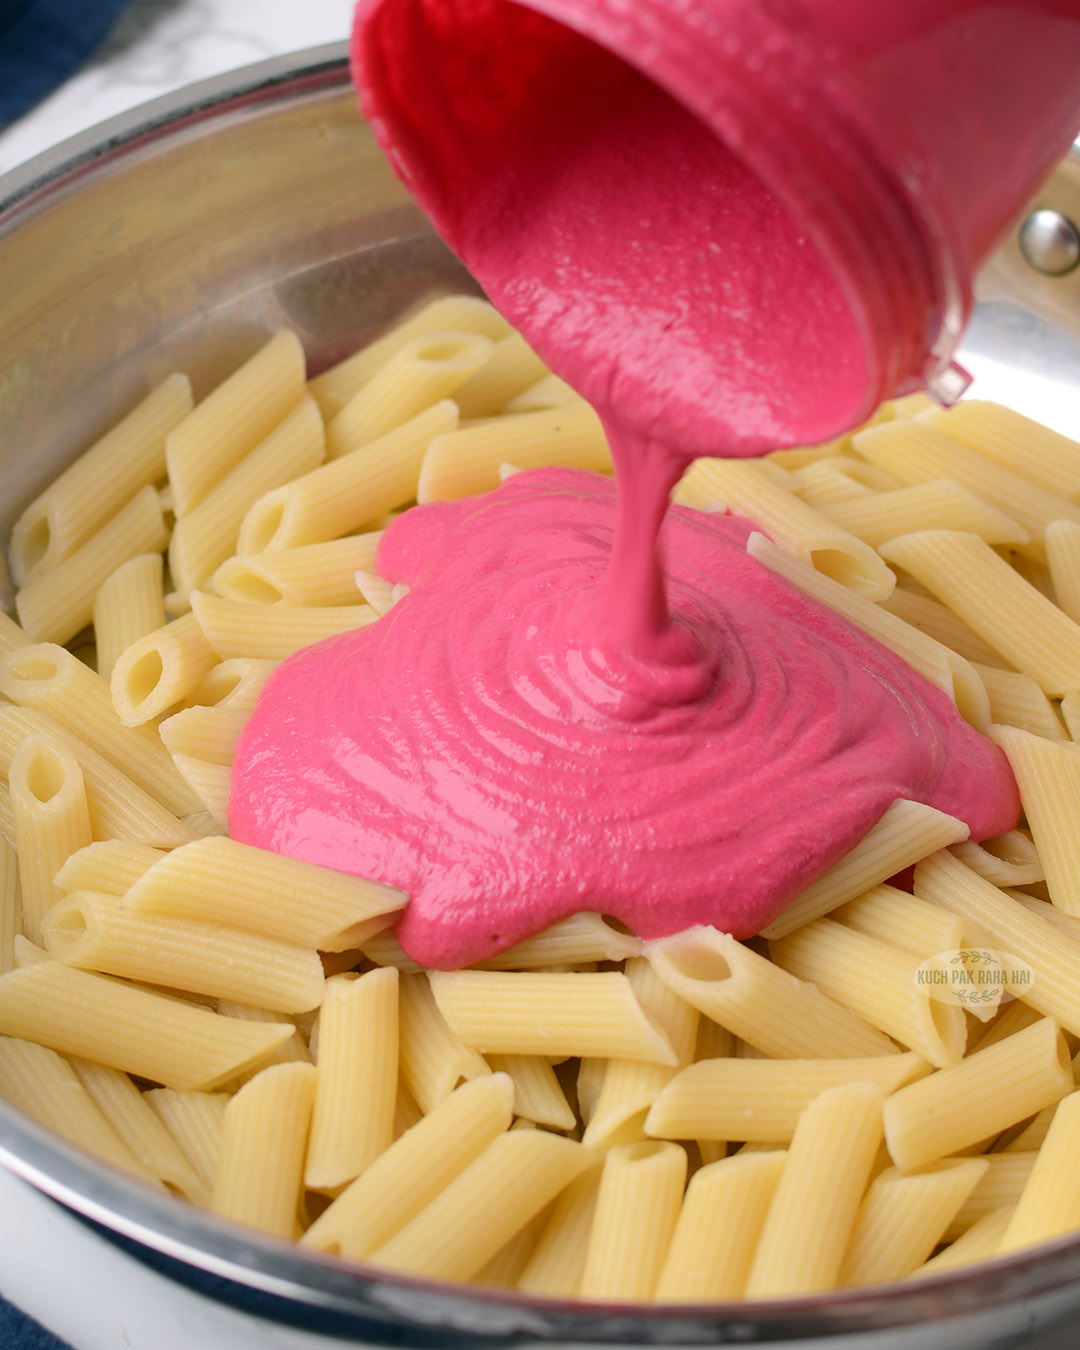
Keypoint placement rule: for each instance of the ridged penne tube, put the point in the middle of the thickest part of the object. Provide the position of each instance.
(376, 592)
(641, 1191)
(1006, 611)
(1049, 1204)
(1065, 923)
(313, 574)
(1009, 438)
(434, 1059)
(98, 932)
(461, 463)
(935, 661)
(146, 1034)
(295, 1048)
(1000, 1185)
(810, 1221)
(233, 419)
(232, 684)
(907, 832)
(465, 313)
(52, 821)
(50, 679)
(1017, 701)
(511, 368)
(916, 452)
(629, 1086)
(534, 1013)
(750, 489)
(537, 1094)
(718, 1228)
(780, 1015)
(462, 1228)
(160, 670)
(350, 492)
(548, 392)
(139, 1126)
(1014, 1017)
(55, 604)
(119, 808)
(506, 1266)
(937, 505)
(1063, 558)
(416, 1168)
(425, 371)
(10, 905)
(12, 637)
(210, 784)
(558, 1259)
(44, 1086)
(261, 1167)
(895, 917)
(97, 485)
(1052, 954)
(761, 1100)
(1048, 776)
(385, 950)
(271, 632)
(979, 1097)
(575, 941)
(935, 620)
(903, 1217)
(204, 733)
(979, 1243)
(878, 982)
(206, 535)
(129, 605)
(356, 1087)
(225, 882)
(196, 1121)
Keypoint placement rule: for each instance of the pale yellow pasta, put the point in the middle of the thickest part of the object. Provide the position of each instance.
(129, 605)
(195, 1120)
(505, 1268)
(536, 1013)
(751, 489)
(146, 1034)
(462, 1228)
(460, 313)
(641, 1191)
(260, 1171)
(932, 618)
(979, 1243)
(1009, 438)
(417, 1167)
(1065, 923)
(312, 574)
(935, 661)
(903, 1217)
(895, 917)
(1010, 1019)
(108, 866)
(778, 1014)
(232, 684)
(937, 505)
(916, 452)
(206, 534)
(160, 669)
(548, 392)
(12, 637)
(1001, 1184)
(238, 886)
(537, 1094)
(233, 419)
(434, 1059)
(977, 1098)
(210, 784)
(1049, 1204)
(461, 463)
(1017, 701)
(44, 1086)
(511, 369)
(1019, 622)
(575, 941)
(99, 483)
(50, 679)
(271, 632)
(52, 821)
(10, 906)
(810, 1221)
(140, 1127)
(1033, 1135)
(206, 733)
(348, 493)
(356, 1085)
(295, 1048)
(1052, 954)
(826, 481)
(878, 982)
(28, 953)
(718, 1228)
(55, 604)
(99, 932)
(761, 1100)
(376, 592)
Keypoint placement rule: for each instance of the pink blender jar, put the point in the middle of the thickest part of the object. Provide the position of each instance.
(746, 221)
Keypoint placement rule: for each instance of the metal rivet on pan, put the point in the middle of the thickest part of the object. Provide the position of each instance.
(1050, 242)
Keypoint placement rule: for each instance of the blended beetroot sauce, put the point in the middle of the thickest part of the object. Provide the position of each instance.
(590, 700)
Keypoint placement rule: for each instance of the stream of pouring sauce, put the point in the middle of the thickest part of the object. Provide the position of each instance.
(589, 699)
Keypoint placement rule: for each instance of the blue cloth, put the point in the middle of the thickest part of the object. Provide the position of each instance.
(42, 42)
(19, 1332)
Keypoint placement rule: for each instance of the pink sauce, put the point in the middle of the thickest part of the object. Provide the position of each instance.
(550, 721)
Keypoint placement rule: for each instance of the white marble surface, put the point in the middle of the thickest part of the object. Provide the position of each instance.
(160, 45)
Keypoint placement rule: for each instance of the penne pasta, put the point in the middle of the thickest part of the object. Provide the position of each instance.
(160, 669)
(271, 632)
(129, 605)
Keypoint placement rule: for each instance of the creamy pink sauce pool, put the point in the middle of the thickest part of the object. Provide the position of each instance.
(590, 700)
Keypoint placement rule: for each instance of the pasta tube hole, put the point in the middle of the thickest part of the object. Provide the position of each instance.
(697, 963)
(65, 927)
(45, 774)
(33, 665)
(143, 677)
(443, 350)
(252, 588)
(32, 542)
(644, 1149)
(842, 567)
(263, 523)
(1015, 847)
